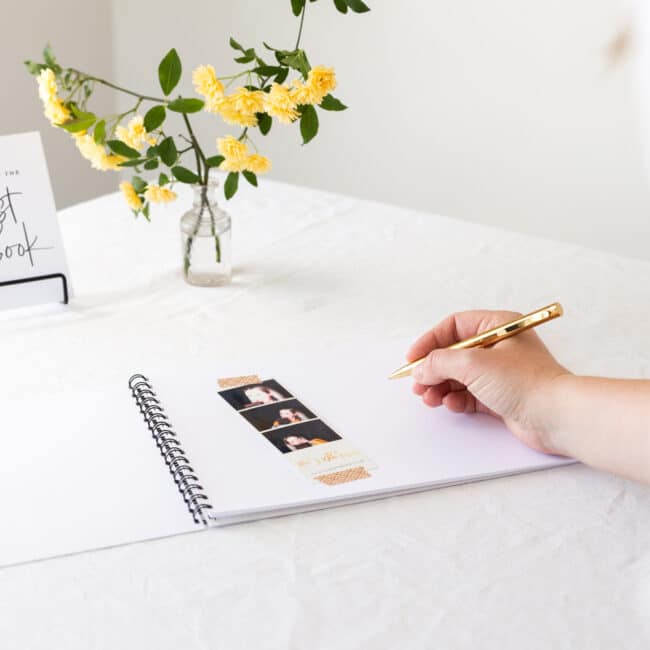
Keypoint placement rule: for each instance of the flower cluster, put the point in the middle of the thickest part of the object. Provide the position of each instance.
(131, 197)
(96, 153)
(320, 82)
(157, 194)
(53, 106)
(243, 106)
(134, 134)
(206, 84)
(238, 159)
(141, 140)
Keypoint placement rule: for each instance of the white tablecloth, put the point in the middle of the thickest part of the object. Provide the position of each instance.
(554, 559)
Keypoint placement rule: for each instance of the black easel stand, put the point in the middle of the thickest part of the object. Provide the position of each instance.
(39, 278)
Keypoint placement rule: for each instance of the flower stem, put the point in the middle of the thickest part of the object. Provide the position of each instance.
(198, 152)
(87, 77)
(302, 20)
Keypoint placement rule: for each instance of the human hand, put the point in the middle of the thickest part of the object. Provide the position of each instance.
(510, 380)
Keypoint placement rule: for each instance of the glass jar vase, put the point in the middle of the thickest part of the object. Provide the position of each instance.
(206, 239)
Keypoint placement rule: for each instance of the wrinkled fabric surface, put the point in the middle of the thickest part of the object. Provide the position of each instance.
(558, 559)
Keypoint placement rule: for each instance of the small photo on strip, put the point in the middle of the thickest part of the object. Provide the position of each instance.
(304, 435)
(278, 414)
(253, 395)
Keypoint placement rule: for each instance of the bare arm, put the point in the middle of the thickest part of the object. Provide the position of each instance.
(602, 422)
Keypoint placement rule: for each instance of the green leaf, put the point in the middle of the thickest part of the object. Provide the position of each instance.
(33, 67)
(152, 152)
(152, 163)
(50, 60)
(231, 184)
(139, 184)
(250, 177)
(154, 117)
(264, 121)
(249, 55)
(357, 6)
(341, 5)
(184, 175)
(268, 47)
(123, 149)
(235, 45)
(330, 103)
(82, 123)
(163, 179)
(169, 71)
(133, 162)
(99, 134)
(186, 105)
(145, 211)
(308, 123)
(297, 6)
(296, 60)
(267, 70)
(167, 151)
(282, 75)
(214, 161)
(79, 114)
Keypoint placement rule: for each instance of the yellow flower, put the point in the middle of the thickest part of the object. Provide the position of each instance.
(302, 93)
(257, 164)
(56, 112)
(278, 103)
(134, 134)
(237, 158)
(206, 83)
(96, 153)
(131, 196)
(226, 108)
(54, 108)
(240, 107)
(321, 81)
(157, 194)
(47, 88)
(248, 101)
(232, 149)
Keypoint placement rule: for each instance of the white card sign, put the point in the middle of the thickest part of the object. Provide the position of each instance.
(33, 267)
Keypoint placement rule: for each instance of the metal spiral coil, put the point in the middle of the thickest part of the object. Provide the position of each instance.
(170, 448)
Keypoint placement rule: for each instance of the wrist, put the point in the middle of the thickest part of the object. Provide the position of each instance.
(553, 404)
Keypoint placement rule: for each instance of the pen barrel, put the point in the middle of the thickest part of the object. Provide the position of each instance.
(492, 336)
(511, 328)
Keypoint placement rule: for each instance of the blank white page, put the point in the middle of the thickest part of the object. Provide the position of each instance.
(413, 446)
(82, 472)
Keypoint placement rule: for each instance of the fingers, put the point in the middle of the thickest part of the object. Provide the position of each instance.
(457, 327)
(442, 365)
(460, 402)
(433, 395)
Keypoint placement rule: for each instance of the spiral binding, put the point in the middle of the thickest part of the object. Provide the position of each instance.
(170, 448)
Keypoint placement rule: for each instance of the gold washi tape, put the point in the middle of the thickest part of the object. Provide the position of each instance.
(345, 476)
(235, 382)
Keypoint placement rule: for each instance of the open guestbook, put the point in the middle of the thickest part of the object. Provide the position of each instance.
(194, 448)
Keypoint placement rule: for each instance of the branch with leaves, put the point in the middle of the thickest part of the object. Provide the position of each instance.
(137, 138)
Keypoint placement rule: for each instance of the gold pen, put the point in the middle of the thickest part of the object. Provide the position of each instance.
(494, 335)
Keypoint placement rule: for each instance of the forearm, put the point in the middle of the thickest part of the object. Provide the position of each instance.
(602, 422)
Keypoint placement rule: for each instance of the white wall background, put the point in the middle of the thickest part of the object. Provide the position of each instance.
(79, 37)
(501, 112)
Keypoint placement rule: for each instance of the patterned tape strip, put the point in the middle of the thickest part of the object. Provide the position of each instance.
(236, 382)
(345, 476)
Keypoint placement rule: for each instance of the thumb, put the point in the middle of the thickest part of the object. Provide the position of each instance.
(442, 364)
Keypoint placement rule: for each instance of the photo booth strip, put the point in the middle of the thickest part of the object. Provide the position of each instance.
(328, 463)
